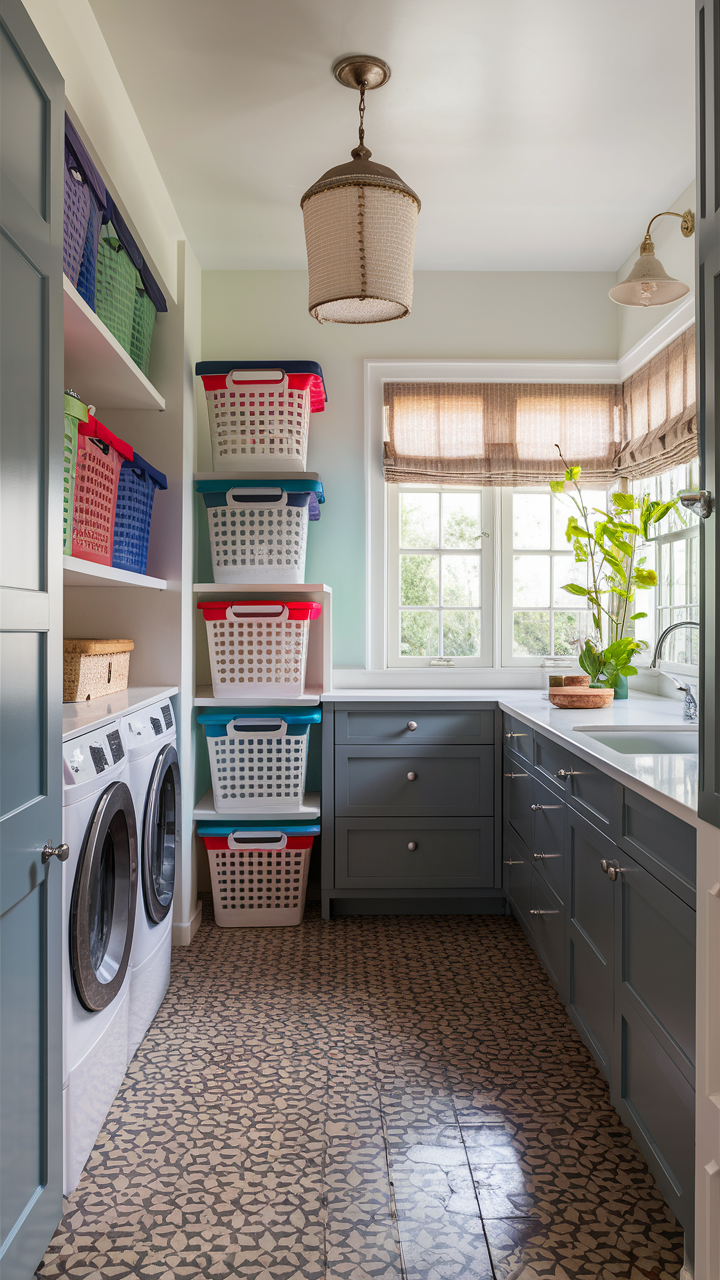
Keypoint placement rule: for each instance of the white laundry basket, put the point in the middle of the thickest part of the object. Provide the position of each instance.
(259, 873)
(258, 648)
(258, 529)
(258, 758)
(260, 416)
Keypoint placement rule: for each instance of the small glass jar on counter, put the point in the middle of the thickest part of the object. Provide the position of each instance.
(553, 672)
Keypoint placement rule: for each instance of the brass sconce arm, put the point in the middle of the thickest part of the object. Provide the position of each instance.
(687, 226)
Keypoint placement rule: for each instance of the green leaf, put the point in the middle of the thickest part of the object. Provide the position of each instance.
(628, 671)
(634, 616)
(557, 486)
(575, 589)
(573, 473)
(623, 501)
(645, 578)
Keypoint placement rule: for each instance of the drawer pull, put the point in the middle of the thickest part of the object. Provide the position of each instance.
(412, 725)
(412, 777)
(517, 775)
(412, 845)
(513, 862)
(611, 868)
(537, 911)
(516, 735)
(540, 856)
(536, 807)
(568, 773)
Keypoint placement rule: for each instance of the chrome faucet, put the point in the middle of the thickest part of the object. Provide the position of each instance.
(690, 708)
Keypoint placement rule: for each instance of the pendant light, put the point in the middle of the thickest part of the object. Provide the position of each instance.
(649, 284)
(360, 222)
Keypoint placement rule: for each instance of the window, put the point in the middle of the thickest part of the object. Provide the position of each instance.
(440, 575)
(675, 556)
(539, 618)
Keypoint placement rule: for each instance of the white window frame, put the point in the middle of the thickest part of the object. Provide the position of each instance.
(377, 372)
(487, 576)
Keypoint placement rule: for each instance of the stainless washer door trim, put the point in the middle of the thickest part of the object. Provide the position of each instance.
(167, 760)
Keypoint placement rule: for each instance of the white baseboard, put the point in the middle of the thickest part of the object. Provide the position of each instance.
(184, 932)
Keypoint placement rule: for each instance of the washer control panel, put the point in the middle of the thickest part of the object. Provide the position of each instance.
(91, 754)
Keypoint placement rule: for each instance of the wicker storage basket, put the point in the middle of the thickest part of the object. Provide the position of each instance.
(92, 668)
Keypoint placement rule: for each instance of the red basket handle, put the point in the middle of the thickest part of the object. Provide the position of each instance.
(254, 377)
(235, 612)
(257, 840)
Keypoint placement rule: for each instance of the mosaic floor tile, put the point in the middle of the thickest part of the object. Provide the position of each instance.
(367, 1099)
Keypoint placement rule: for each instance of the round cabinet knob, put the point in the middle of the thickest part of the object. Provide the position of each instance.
(412, 777)
(412, 725)
(604, 864)
(561, 773)
(412, 845)
(61, 852)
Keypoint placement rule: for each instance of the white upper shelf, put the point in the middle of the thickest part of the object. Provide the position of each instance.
(96, 366)
(86, 573)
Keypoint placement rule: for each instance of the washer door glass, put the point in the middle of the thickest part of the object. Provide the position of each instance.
(161, 835)
(102, 912)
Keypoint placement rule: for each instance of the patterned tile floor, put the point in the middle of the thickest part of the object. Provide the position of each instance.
(376, 1098)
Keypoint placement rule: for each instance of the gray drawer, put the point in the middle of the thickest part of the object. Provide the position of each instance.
(518, 737)
(547, 923)
(447, 853)
(663, 844)
(373, 781)
(519, 787)
(391, 726)
(590, 792)
(517, 875)
(548, 840)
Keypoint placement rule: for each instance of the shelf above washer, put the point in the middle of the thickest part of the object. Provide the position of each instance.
(81, 717)
(261, 588)
(308, 811)
(96, 366)
(86, 573)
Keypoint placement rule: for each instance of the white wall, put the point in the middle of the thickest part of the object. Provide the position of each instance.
(263, 314)
(677, 254)
(98, 102)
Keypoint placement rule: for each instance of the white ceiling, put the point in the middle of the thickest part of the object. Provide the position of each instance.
(539, 134)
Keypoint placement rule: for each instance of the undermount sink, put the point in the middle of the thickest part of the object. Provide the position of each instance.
(645, 740)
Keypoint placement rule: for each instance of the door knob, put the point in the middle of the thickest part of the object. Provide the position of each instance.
(412, 777)
(613, 870)
(61, 852)
(412, 725)
(412, 845)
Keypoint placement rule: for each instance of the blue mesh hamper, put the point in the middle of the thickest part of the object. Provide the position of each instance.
(136, 491)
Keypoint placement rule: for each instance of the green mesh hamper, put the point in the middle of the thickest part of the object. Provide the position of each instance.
(116, 280)
(142, 328)
(75, 411)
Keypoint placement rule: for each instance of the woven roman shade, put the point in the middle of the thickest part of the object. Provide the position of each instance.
(504, 434)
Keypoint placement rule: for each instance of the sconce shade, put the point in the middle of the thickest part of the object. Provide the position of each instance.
(360, 222)
(648, 284)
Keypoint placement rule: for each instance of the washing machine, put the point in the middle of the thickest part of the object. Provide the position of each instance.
(99, 898)
(149, 738)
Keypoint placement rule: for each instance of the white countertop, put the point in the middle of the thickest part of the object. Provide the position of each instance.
(668, 780)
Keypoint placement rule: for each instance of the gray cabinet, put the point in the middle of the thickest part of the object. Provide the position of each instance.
(612, 920)
(409, 802)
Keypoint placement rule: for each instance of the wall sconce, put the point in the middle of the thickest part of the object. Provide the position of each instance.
(649, 284)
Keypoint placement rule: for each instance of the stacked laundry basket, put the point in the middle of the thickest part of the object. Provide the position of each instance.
(258, 504)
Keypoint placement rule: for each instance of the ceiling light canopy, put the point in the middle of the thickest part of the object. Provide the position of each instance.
(649, 284)
(360, 223)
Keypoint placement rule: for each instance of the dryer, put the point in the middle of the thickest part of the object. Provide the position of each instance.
(149, 738)
(99, 897)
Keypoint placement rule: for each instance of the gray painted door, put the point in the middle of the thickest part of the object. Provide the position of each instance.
(31, 430)
(592, 938)
(708, 392)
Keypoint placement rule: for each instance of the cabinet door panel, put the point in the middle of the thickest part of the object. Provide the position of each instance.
(518, 737)
(517, 874)
(659, 1104)
(658, 955)
(548, 928)
(447, 853)
(391, 726)
(662, 843)
(592, 924)
(374, 781)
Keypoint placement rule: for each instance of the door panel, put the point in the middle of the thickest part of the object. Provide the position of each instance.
(519, 788)
(31, 433)
(548, 839)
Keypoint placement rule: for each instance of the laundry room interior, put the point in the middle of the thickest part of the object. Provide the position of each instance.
(359, 764)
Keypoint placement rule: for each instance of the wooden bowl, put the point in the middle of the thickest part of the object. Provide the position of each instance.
(576, 682)
(581, 699)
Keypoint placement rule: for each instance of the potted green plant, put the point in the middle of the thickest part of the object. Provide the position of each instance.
(608, 545)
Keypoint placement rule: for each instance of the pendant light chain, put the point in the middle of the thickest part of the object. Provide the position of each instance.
(361, 130)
